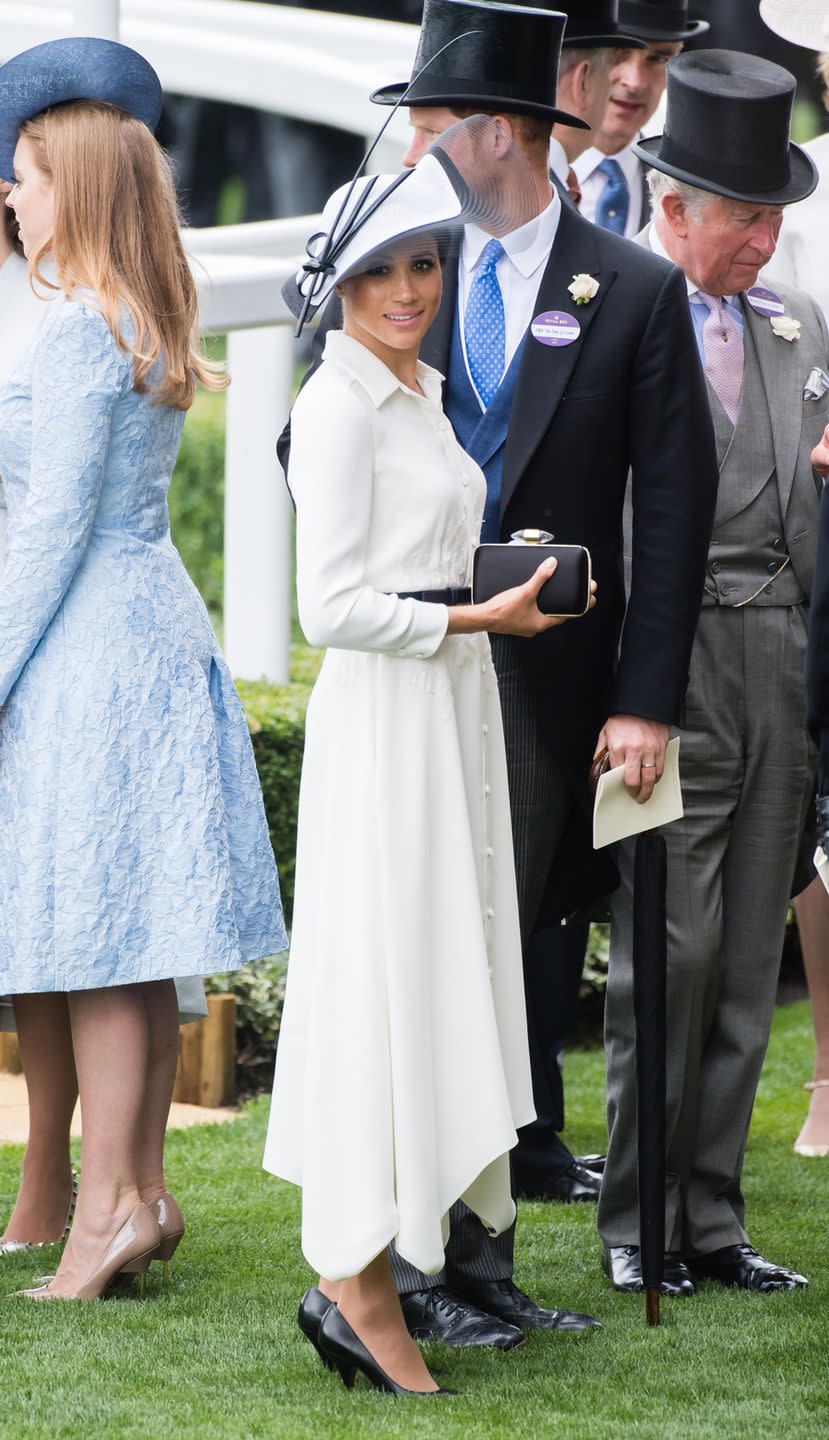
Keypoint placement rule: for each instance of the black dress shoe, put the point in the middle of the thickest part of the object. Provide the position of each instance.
(503, 1298)
(312, 1309)
(742, 1265)
(575, 1184)
(622, 1266)
(596, 1163)
(438, 1314)
(347, 1354)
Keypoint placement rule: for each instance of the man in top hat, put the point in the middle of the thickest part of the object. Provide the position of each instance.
(592, 41)
(544, 1167)
(611, 177)
(746, 762)
(557, 418)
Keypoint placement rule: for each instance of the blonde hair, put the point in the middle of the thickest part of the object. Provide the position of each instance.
(116, 232)
(823, 68)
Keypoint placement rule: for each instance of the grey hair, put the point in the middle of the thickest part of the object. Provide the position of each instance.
(599, 57)
(693, 197)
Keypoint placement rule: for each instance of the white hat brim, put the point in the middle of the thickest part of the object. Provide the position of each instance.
(803, 22)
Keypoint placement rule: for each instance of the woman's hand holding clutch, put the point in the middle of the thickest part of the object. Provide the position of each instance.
(513, 612)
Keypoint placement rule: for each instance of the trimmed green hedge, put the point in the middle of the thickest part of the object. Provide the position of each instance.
(197, 499)
(276, 720)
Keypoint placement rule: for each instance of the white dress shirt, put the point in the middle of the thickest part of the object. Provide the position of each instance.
(559, 163)
(519, 272)
(592, 183)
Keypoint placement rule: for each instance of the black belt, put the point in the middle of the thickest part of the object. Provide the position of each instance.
(437, 597)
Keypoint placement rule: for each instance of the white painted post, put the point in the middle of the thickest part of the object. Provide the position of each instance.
(96, 17)
(258, 524)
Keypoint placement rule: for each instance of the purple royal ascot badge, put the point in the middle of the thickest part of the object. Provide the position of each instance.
(764, 301)
(555, 327)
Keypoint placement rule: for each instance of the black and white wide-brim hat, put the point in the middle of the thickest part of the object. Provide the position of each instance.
(727, 129)
(462, 179)
(803, 22)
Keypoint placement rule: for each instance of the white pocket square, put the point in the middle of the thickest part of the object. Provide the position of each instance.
(817, 384)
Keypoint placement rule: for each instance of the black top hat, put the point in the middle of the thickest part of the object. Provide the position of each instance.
(502, 57)
(659, 20)
(595, 23)
(727, 129)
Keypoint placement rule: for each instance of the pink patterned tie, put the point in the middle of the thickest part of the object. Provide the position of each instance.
(722, 343)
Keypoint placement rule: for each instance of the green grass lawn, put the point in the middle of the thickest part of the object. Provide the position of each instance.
(219, 1354)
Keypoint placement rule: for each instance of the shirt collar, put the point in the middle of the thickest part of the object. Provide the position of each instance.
(528, 247)
(591, 159)
(558, 159)
(377, 379)
(693, 290)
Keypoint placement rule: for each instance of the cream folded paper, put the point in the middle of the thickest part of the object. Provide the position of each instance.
(822, 866)
(616, 814)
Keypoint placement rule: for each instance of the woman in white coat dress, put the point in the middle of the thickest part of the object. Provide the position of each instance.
(402, 1071)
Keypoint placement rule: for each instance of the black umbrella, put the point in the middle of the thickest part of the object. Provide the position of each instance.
(650, 959)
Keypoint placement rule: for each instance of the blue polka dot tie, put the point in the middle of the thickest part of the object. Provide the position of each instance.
(614, 201)
(485, 326)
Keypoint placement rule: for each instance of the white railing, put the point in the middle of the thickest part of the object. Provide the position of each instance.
(315, 66)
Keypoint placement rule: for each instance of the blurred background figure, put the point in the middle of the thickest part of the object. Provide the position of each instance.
(801, 261)
(611, 178)
(593, 41)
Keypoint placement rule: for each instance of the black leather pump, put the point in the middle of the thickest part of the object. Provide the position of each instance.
(347, 1354)
(312, 1310)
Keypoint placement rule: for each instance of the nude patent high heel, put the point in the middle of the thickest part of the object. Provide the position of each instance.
(805, 1142)
(167, 1213)
(17, 1247)
(129, 1252)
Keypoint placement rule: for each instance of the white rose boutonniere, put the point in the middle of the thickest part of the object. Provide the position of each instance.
(786, 327)
(583, 288)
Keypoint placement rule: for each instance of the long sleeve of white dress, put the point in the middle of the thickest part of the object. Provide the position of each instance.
(337, 445)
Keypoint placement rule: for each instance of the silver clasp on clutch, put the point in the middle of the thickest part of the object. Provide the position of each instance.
(531, 537)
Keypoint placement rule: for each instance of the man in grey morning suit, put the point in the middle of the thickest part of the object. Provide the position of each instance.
(746, 763)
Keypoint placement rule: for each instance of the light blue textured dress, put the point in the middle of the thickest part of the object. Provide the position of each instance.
(133, 840)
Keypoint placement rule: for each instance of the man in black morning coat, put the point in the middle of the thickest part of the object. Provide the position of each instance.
(557, 444)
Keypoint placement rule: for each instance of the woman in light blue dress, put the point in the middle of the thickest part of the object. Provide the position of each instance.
(133, 840)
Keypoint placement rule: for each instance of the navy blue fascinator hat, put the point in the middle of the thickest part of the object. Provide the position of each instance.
(76, 68)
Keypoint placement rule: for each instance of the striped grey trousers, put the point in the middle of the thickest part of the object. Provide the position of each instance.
(540, 804)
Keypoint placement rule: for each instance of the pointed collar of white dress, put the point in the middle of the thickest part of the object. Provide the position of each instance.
(378, 381)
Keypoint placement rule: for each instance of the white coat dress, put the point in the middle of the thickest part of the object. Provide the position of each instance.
(402, 1070)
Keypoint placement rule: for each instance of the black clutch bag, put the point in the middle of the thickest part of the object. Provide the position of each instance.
(501, 567)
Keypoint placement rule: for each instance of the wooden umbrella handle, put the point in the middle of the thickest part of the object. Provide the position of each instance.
(600, 763)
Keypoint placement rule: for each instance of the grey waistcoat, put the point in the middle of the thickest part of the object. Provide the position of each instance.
(748, 549)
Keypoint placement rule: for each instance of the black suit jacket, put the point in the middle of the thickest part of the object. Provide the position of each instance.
(628, 397)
